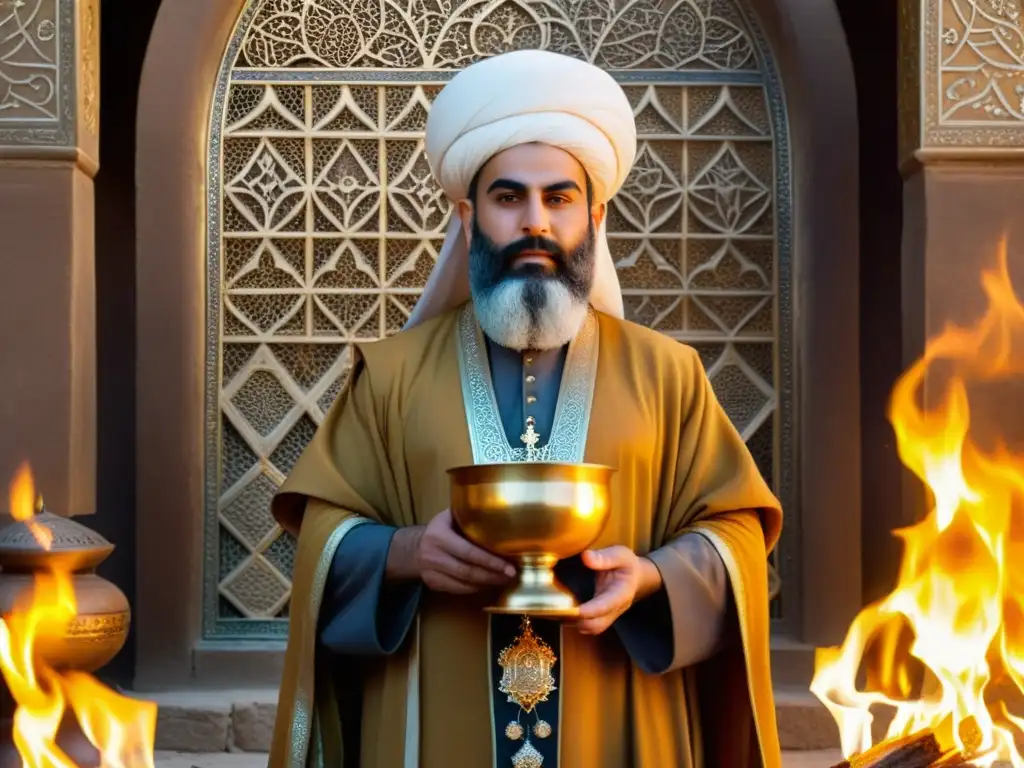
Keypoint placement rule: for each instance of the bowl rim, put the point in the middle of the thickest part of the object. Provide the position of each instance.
(502, 464)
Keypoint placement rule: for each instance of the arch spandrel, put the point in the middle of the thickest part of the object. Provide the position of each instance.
(324, 222)
(441, 35)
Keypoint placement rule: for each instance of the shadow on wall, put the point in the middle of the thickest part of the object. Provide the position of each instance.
(125, 27)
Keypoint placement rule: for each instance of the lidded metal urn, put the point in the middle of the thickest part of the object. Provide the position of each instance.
(100, 627)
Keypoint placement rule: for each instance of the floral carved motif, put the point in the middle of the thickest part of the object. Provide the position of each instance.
(981, 61)
(442, 34)
(29, 52)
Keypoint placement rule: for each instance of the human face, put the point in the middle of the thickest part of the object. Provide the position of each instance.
(533, 191)
(531, 237)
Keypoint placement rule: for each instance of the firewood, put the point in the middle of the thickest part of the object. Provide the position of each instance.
(920, 753)
(918, 750)
(928, 748)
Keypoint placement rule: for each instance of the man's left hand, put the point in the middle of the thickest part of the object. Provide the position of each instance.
(622, 578)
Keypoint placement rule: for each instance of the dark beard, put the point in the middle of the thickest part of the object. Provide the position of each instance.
(489, 266)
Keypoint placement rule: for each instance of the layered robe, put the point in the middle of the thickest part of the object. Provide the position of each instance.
(423, 402)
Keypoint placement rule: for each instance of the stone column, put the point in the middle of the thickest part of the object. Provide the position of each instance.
(962, 154)
(49, 121)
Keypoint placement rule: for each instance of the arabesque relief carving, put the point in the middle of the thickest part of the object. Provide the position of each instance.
(962, 74)
(37, 73)
(447, 34)
(29, 60)
(982, 69)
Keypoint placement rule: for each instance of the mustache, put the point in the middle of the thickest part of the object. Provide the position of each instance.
(535, 243)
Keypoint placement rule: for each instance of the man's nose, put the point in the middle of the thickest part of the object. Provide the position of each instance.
(535, 217)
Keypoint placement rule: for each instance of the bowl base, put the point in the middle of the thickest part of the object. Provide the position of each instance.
(541, 597)
(537, 613)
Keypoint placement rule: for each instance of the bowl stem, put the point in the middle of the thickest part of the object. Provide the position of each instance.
(538, 592)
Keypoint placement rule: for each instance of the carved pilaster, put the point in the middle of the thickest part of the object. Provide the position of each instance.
(49, 152)
(961, 77)
(962, 147)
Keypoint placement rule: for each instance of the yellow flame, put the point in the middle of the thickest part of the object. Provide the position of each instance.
(23, 503)
(955, 620)
(23, 493)
(122, 729)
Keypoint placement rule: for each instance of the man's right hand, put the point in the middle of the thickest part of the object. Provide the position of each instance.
(447, 562)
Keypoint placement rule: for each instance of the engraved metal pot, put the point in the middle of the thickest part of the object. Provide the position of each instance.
(100, 627)
(534, 513)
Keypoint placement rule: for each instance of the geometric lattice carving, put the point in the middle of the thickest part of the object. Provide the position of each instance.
(328, 221)
(248, 514)
(263, 401)
(256, 588)
(281, 553)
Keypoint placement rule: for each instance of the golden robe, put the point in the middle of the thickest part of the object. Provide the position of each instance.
(381, 456)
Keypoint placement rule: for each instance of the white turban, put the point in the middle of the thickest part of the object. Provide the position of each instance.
(520, 98)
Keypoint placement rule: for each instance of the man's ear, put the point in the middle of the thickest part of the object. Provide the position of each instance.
(464, 210)
(597, 213)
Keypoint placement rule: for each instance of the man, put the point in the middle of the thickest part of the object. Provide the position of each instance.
(392, 661)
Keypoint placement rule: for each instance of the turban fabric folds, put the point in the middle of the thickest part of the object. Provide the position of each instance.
(520, 98)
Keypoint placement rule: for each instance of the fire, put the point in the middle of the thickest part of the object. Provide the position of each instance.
(945, 649)
(122, 729)
(23, 504)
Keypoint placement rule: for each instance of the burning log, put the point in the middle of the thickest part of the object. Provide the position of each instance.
(927, 748)
(920, 750)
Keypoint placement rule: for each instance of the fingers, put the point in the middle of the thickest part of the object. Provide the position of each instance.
(594, 626)
(614, 600)
(603, 609)
(470, 553)
(453, 564)
(465, 572)
(453, 543)
(440, 582)
(607, 559)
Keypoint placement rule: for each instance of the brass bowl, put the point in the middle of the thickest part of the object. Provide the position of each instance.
(535, 514)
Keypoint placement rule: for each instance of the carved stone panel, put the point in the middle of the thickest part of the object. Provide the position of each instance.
(325, 222)
(962, 78)
(49, 76)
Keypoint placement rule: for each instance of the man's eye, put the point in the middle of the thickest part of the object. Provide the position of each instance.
(508, 198)
(558, 199)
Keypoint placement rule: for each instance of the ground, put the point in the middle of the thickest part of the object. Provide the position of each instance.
(814, 759)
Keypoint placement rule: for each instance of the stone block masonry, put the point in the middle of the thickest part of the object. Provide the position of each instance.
(234, 721)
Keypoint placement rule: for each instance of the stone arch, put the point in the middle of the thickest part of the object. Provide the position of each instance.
(179, 312)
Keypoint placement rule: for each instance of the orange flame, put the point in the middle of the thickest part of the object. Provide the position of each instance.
(953, 628)
(122, 729)
(23, 501)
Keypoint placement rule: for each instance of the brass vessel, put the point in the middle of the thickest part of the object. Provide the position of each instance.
(535, 514)
(100, 627)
